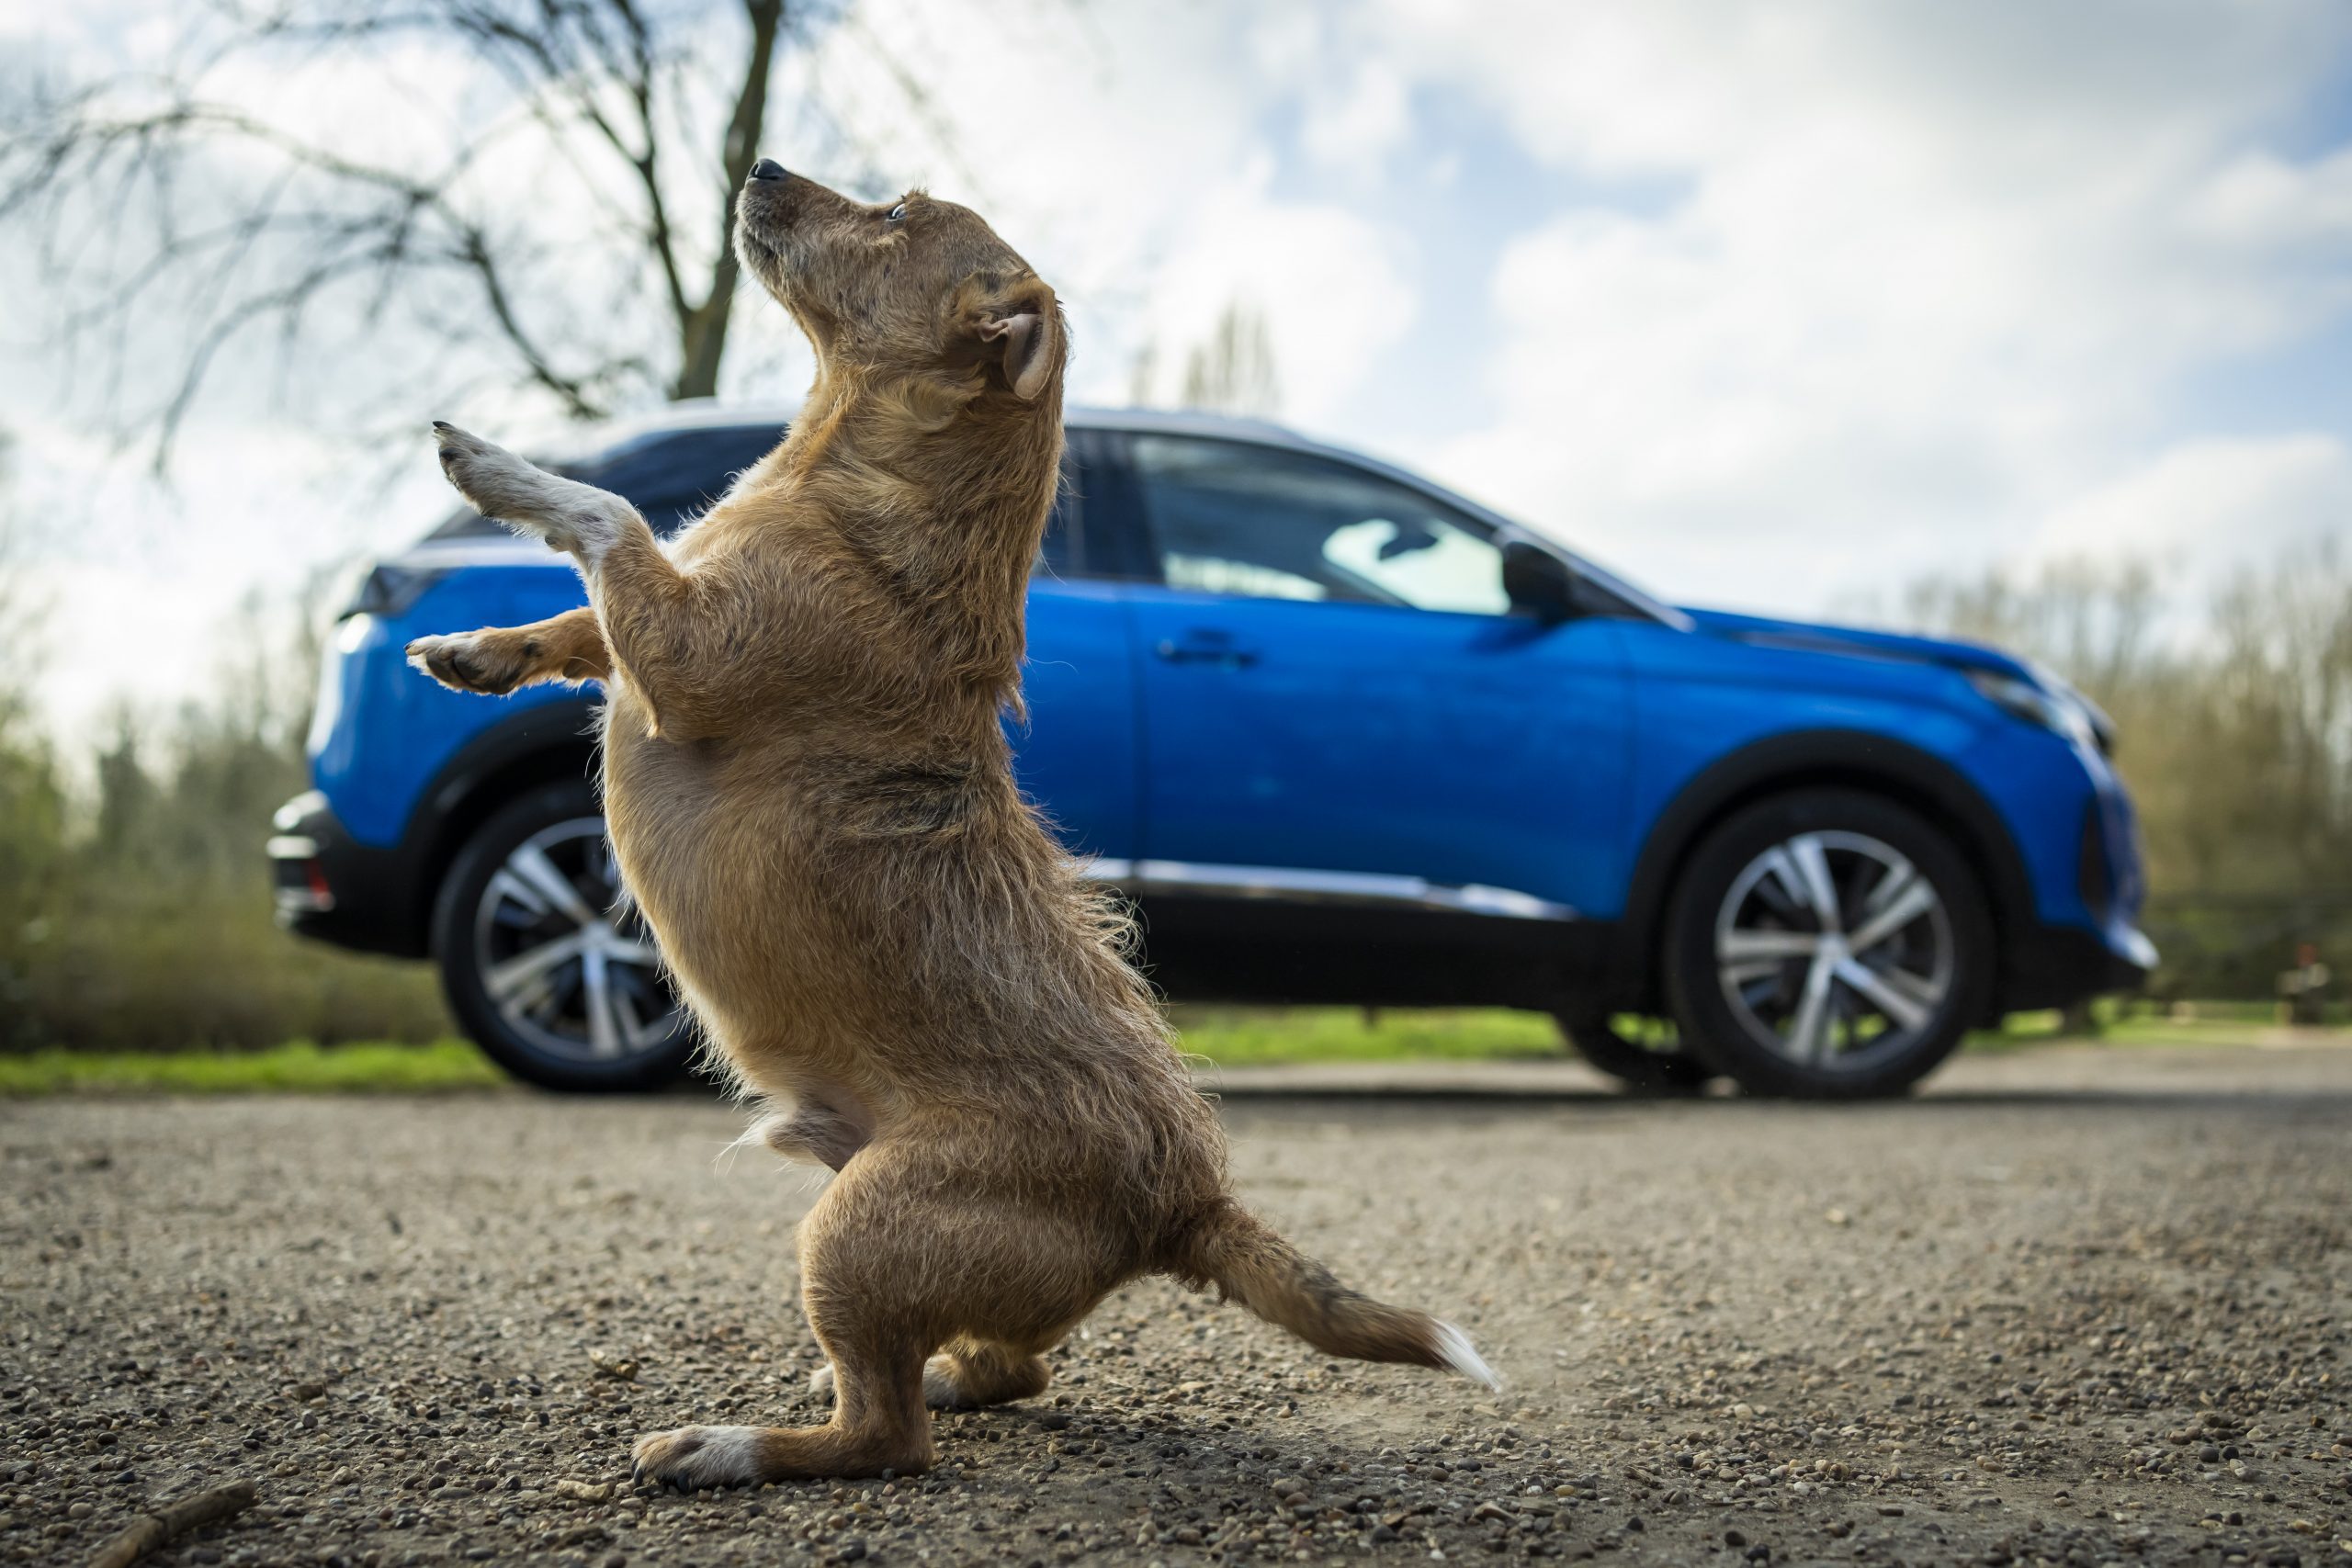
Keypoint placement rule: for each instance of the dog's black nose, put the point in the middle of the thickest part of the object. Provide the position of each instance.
(767, 169)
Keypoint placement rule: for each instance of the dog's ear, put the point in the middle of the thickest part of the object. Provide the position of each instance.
(1021, 330)
(1028, 349)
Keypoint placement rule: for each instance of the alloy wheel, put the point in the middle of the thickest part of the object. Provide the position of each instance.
(568, 966)
(1833, 951)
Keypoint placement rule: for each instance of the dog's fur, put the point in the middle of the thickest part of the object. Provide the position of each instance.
(811, 797)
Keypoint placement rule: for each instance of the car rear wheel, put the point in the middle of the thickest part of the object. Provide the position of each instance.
(1644, 1054)
(1827, 944)
(544, 963)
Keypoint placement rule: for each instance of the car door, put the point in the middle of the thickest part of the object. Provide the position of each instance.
(1075, 753)
(1339, 702)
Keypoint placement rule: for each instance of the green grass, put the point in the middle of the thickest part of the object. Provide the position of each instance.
(301, 1068)
(1265, 1037)
(1229, 1038)
(2202, 1023)
(1237, 1037)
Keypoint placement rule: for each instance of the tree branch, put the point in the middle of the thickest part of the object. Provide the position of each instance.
(706, 338)
(167, 211)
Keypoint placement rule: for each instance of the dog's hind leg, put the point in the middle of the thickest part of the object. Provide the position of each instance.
(912, 1248)
(878, 1424)
(496, 660)
(967, 1375)
(879, 1420)
(981, 1371)
(870, 1290)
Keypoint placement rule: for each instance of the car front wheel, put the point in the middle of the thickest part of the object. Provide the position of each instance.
(543, 963)
(1827, 944)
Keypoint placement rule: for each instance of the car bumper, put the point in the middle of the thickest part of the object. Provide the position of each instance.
(329, 887)
(2051, 967)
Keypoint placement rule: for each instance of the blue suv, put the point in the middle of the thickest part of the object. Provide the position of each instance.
(1343, 738)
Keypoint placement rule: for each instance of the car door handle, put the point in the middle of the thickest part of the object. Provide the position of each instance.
(1205, 648)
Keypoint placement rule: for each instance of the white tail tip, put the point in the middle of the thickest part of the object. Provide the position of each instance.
(1454, 1346)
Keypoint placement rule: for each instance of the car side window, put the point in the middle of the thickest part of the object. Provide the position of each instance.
(1260, 522)
(674, 481)
(1062, 552)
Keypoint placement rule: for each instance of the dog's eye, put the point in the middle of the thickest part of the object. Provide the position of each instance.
(895, 213)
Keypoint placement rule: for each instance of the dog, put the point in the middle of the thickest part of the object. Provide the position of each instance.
(810, 796)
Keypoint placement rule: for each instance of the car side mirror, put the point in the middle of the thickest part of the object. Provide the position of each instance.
(1539, 583)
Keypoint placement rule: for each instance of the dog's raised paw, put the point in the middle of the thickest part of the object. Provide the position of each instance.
(695, 1457)
(452, 444)
(497, 484)
(473, 466)
(460, 663)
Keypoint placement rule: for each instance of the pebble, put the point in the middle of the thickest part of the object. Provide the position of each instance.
(459, 1404)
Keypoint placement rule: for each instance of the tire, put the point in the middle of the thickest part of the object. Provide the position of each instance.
(1643, 1064)
(528, 944)
(1857, 1003)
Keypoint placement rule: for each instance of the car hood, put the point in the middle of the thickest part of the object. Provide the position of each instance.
(1854, 642)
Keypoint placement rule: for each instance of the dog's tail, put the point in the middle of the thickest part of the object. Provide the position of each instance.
(1257, 1268)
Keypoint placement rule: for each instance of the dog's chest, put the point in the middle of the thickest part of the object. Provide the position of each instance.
(718, 863)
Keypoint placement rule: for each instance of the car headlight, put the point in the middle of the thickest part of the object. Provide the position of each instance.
(2102, 727)
(2055, 710)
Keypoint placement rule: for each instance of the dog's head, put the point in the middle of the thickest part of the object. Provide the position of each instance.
(909, 286)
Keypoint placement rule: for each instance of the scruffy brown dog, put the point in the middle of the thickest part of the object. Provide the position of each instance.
(811, 797)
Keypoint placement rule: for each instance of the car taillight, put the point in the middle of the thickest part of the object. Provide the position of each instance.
(302, 885)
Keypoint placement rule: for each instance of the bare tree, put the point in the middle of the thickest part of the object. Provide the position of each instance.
(2234, 725)
(2096, 620)
(575, 161)
(32, 798)
(1233, 372)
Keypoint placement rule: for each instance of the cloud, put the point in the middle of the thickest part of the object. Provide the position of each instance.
(1763, 304)
(1924, 275)
(1138, 177)
(1329, 286)
(1357, 128)
(141, 580)
(2204, 506)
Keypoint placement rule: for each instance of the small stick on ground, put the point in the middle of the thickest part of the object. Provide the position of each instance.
(149, 1531)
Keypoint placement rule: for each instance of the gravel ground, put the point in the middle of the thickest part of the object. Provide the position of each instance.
(2069, 1307)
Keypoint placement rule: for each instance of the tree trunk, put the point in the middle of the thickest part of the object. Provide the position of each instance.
(703, 332)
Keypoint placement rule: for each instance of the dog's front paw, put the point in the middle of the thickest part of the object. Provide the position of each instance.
(695, 1457)
(498, 484)
(467, 663)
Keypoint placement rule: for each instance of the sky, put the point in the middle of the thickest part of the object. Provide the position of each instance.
(1780, 305)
